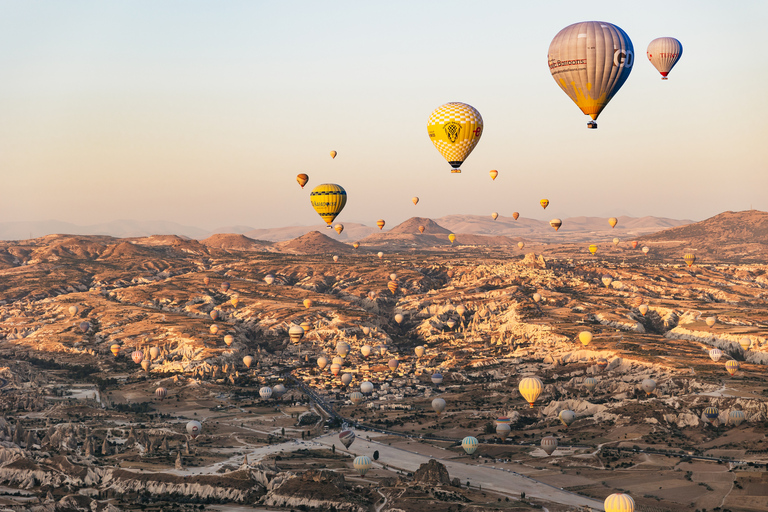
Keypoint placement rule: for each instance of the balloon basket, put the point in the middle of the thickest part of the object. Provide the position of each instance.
(455, 171)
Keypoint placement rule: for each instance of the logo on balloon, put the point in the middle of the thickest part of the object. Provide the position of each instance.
(623, 58)
(452, 131)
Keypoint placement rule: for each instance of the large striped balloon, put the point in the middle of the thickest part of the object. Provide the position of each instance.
(469, 444)
(530, 388)
(328, 200)
(619, 502)
(590, 61)
(362, 464)
(664, 52)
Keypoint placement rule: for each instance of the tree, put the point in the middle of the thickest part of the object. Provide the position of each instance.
(333, 449)
(376, 455)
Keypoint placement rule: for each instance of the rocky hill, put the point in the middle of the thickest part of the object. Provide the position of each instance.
(313, 243)
(233, 242)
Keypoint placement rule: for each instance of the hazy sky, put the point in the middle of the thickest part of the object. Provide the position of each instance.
(204, 112)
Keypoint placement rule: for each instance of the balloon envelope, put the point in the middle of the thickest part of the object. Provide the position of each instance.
(715, 354)
(347, 437)
(648, 385)
(567, 417)
(469, 444)
(333, 154)
(664, 52)
(590, 61)
(455, 129)
(438, 405)
(515, 215)
(613, 221)
(247, 361)
(338, 228)
(549, 444)
(493, 174)
(362, 464)
(619, 503)
(415, 200)
(556, 223)
(380, 223)
(265, 392)
(585, 337)
(494, 215)
(530, 388)
(689, 258)
(302, 179)
(421, 229)
(194, 428)
(328, 200)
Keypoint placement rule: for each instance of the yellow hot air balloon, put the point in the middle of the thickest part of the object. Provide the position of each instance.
(380, 223)
(556, 223)
(452, 237)
(530, 388)
(302, 179)
(616, 241)
(415, 200)
(455, 129)
(613, 221)
(393, 286)
(689, 258)
(333, 154)
(421, 229)
(356, 245)
(494, 215)
(544, 203)
(664, 52)
(328, 200)
(115, 349)
(515, 215)
(590, 61)
(493, 174)
(308, 303)
(619, 503)
(338, 228)
(732, 366)
(593, 248)
(585, 337)
(521, 244)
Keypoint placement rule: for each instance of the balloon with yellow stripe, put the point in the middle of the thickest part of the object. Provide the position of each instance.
(455, 129)
(328, 200)
(531, 388)
(619, 502)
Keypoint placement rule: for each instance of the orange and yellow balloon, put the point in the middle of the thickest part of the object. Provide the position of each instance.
(328, 200)
(455, 129)
(493, 174)
(302, 179)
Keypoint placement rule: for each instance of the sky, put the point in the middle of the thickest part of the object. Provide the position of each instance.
(202, 113)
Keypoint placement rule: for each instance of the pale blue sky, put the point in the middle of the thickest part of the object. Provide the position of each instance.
(203, 112)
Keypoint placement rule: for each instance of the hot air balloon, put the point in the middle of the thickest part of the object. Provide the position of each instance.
(278, 391)
(590, 383)
(366, 329)
(73, 310)
(392, 276)
(602, 364)
(265, 392)
(145, 364)
(269, 279)
(415, 200)
(590, 61)
(634, 244)
(343, 348)
(460, 309)
(356, 245)
(154, 352)
(493, 174)
(115, 349)
(335, 258)
(362, 464)
(333, 154)
(530, 388)
(235, 300)
(556, 223)
(711, 414)
(437, 378)
(607, 280)
(161, 392)
(380, 223)
(521, 244)
(503, 430)
(567, 417)
(732, 366)
(247, 361)
(393, 364)
(616, 241)
(643, 308)
(346, 379)
(664, 52)
(366, 388)
(347, 437)
(613, 221)
(452, 238)
(689, 258)
(335, 368)
(85, 326)
(619, 502)
(399, 318)
(194, 428)
(585, 337)
(419, 350)
(711, 321)
(365, 350)
(494, 215)
(745, 343)
(646, 249)
(536, 297)
(206, 280)
(224, 286)
(438, 404)
(450, 323)
(328, 200)
(380, 254)
(295, 333)
(715, 354)
(469, 444)
(137, 356)
(455, 129)
(302, 179)
(356, 397)
(306, 326)
(515, 215)
(338, 228)
(544, 203)
(322, 362)
(371, 295)
(229, 339)
(421, 229)
(549, 444)
(393, 286)
(648, 385)
(214, 329)
(593, 248)
(307, 303)
(736, 417)
(214, 314)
